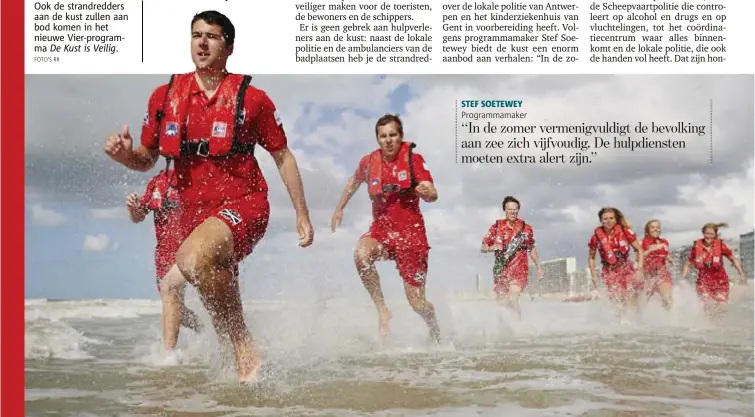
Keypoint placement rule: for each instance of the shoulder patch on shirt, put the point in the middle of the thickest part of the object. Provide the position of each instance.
(277, 116)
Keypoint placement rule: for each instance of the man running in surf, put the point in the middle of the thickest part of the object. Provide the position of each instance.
(397, 178)
(511, 239)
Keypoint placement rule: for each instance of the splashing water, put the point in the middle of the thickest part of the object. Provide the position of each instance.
(325, 358)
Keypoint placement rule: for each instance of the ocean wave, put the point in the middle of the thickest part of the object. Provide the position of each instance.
(56, 340)
(55, 310)
(89, 309)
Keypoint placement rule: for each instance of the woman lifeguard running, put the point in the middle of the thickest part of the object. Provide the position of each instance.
(613, 239)
(657, 257)
(712, 280)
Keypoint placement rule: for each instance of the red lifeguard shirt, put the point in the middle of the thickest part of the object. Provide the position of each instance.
(708, 259)
(613, 238)
(397, 212)
(657, 258)
(518, 264)
(201, 180)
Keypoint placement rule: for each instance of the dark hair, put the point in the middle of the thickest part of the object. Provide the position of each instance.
(212, 17)
(510, 199)
(390, 118)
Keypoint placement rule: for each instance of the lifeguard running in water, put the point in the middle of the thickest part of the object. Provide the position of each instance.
(511, 239)
(161, 199)
(707, 256)
(614, 239)
(210, 122)
(396, 179)
(657, 258)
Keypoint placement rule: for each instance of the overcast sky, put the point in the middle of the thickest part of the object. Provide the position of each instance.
(79, 243)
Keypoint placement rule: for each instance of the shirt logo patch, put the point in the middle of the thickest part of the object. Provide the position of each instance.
(218, 129)
(278, 120)
(231, 216)
(171, 129)
(402, 176)
(145, 119)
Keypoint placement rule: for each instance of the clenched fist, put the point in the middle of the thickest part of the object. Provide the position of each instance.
(119, 146)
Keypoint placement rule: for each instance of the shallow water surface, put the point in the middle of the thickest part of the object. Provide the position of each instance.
(102, 358)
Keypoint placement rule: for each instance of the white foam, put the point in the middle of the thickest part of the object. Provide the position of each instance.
(43, 309)
(46, 339)
(90, 309)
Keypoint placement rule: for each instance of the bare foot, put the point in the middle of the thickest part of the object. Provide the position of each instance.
(251, 376)
(248, 361)
(384, 322)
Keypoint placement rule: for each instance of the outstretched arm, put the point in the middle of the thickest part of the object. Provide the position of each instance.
(536, 261)
(289, 172)
(738, 266)
(593, 270)
(534, 257)
(352, 185)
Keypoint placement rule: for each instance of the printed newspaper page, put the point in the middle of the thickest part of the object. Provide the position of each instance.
(368, 207)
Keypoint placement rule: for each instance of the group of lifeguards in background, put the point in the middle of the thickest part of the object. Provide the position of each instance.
(626, 283)
(397, 178)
